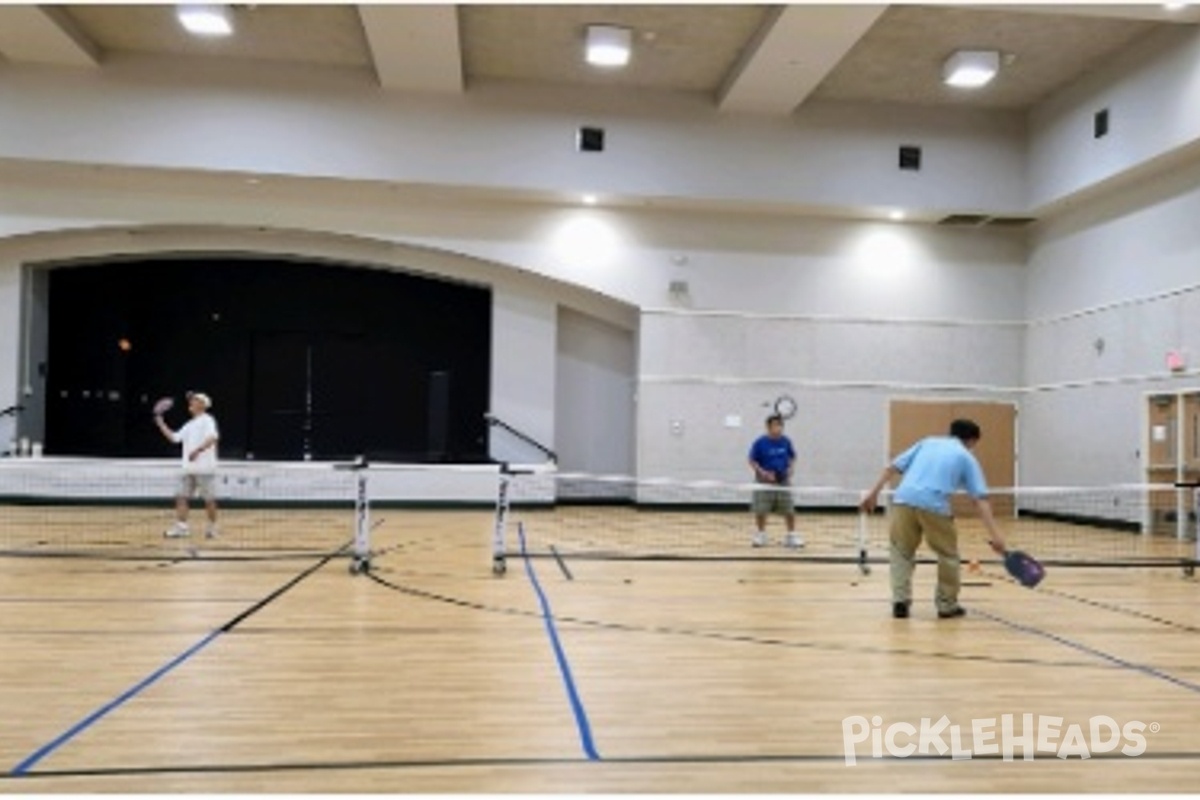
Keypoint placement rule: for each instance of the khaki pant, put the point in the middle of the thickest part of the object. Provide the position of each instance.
(196, 483)
(907, 526)
(772, 501)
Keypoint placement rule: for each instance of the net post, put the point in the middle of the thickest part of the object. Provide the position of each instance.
(1181, 511)
(360, 555)
(499, 561)
(1189, 567)
(864, 565)
(503, 505)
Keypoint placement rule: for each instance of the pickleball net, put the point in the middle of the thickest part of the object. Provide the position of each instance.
(120, 509)
(571, 515)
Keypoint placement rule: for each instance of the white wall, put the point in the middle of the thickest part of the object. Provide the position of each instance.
(699, 370)
(35, 345)
(523, 364)
(10, 345)
(839, 268)
(596, 380)
(1125, 272)
(799, 264)
(1151, 93)
(842, 317)
(862, 297)
(258, 118)
(1135, 244)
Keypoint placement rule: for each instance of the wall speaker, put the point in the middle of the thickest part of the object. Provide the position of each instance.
(590, 140)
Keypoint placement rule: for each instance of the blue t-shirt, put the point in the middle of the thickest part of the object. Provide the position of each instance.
(773, 455)
(934, 468)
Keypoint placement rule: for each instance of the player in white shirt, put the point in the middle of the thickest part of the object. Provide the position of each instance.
(198, 438)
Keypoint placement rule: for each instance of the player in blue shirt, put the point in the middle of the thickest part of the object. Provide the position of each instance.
(772, 458)
(933, 469)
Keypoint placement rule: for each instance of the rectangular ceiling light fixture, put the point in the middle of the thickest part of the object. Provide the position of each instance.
(971, 69)
(205, 19)
(608, 45)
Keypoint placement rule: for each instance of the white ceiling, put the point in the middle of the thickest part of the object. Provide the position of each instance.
(681, 48)
(330, 35)
(900, 58)
(747, 57)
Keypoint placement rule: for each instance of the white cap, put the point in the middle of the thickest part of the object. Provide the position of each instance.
(202, 397)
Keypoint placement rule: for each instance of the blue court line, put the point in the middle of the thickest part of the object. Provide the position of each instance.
(112, 705)
(1083, 648)
(564, 669)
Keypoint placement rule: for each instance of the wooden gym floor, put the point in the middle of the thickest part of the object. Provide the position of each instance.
(182, 674)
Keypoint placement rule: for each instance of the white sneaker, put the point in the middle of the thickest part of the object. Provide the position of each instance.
(211, 532)
(177, 532)
(794, 541)
(759, 540)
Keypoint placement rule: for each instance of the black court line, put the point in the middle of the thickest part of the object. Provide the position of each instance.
(1131, 666)
(798, 559)
(562, 564)
(48, 749)
(416, 630)
(1157, 619)
(733, 637)
(1049, 591)
(519, 762)
(275, 595)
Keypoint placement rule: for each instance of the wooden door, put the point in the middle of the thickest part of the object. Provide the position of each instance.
(1162, 460)
(911, 420)
(1190, 463)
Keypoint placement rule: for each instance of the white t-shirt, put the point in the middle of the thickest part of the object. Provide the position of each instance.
(191, 436)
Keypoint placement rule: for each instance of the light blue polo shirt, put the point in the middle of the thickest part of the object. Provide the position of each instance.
(935, 468)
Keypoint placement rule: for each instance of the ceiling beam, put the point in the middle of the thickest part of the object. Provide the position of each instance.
(791, 54)
(1156, 12)
(45, 35)
(415, 47)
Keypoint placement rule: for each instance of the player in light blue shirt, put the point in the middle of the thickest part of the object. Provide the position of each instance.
(933, 469)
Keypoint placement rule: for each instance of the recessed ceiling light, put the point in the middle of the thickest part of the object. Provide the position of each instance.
(205, 19)
(589, 199)
(971, 69)
(608, 45)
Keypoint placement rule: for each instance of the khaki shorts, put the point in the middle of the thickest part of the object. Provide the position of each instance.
(772, 501)
(197, 485)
